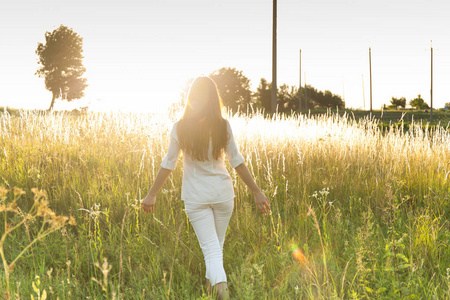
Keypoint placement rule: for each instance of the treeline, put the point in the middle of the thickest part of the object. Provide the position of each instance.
(416, 103)
(234, 89)
(399, 103)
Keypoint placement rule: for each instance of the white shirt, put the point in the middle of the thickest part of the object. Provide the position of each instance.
(204, 182)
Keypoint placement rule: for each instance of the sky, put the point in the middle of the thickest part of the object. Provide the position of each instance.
(139, 54)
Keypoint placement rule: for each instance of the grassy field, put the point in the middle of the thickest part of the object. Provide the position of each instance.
(396, 117)
(368, 205)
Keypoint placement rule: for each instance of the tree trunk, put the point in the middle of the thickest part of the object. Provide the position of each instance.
(53, 102)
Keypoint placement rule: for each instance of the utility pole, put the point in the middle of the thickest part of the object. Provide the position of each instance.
(431, 90)
(370, 69)
(300, 85)
(274, 58)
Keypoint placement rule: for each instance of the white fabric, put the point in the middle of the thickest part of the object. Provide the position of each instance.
(210, 222)
(204, 182)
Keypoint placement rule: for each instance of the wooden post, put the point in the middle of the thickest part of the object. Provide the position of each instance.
(274, 58)
(431, 90)
(300, 85)
(370, 69)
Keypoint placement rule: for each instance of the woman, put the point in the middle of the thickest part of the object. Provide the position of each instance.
(207, 189)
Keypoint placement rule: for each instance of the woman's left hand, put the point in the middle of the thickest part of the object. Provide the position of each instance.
(148, 204)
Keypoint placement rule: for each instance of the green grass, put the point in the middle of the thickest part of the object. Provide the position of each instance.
(369, 206)
(407, 116)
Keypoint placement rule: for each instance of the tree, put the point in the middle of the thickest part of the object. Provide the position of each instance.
(288, 97)
(447, 105)
(263, 95)
(324, 99)
(398, 102)
(418, 103)
(60, 60)
(319, 99)
(233, 86)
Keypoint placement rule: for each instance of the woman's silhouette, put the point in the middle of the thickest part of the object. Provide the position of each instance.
(207, 189)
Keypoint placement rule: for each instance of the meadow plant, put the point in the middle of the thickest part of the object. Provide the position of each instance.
(368, 204)
(14, 218)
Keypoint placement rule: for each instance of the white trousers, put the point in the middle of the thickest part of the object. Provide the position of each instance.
(210, 222)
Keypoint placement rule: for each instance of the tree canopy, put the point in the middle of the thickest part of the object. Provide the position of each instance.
(326, 99)
(233, 86)
(398, 102)
(60, 63)
(288, 97)
(418, 103)
(234, 89)
(263, 95)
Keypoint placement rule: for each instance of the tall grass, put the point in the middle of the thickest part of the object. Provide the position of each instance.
(368, 206)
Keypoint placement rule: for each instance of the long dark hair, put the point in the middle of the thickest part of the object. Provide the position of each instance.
(202, 119)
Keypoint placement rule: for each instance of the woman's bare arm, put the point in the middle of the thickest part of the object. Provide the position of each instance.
(160, 179)
(149, 201)
(260, 199)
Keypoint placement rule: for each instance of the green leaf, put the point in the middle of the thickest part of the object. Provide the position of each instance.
(404, 266)
(402, 256)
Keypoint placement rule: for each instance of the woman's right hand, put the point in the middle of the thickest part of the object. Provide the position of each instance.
(262, 203)
(260, 199)
(148, 204)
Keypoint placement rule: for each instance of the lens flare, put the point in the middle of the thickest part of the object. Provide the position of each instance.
(298, 254)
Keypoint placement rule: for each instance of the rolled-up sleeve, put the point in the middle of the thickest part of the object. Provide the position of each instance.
(232, 151)
(170, 160)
